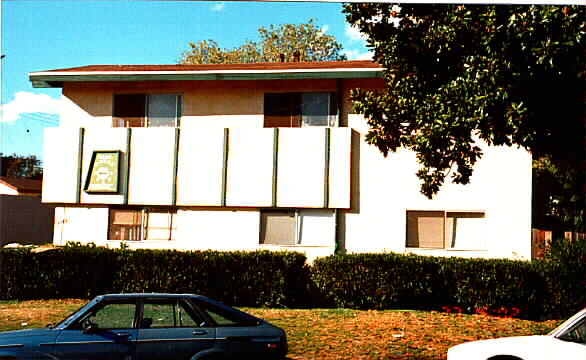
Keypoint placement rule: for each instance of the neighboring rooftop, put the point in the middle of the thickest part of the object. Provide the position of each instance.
(253, 71)
(22, 185)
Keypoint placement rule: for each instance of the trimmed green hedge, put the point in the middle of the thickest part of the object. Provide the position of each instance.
(534, 290)
(260, 278)
(553, 288)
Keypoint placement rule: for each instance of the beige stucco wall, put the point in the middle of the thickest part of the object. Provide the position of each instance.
(383, 189)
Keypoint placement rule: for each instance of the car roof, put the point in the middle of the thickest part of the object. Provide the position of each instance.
(149, 295)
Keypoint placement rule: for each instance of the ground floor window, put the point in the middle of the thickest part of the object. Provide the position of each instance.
(307, 227)
(138, 224)
(462, 230)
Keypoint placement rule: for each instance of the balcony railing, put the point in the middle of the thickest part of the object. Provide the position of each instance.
(219, 167)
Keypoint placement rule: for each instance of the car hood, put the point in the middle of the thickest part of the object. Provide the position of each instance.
(522, 346)
(27, 333)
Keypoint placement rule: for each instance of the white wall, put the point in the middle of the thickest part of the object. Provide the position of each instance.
(152, 171)
(200, 166)
(500, 187)
(7, 190)
(61, 165)
(250, 167)
(103, 139)
(80, 224)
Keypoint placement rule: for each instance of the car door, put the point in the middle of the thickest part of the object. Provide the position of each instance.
(170, 329)
(106, 332)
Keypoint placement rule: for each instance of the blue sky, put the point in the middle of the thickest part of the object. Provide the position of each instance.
(42, 35)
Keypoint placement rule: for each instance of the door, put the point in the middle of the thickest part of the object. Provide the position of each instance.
(170, 329)
(106, 332)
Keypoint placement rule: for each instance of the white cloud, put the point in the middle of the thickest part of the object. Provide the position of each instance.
(27, 103)
(353, 33)
(357, 55)
(219, 7)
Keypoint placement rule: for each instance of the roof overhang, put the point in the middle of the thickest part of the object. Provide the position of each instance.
(56, 79)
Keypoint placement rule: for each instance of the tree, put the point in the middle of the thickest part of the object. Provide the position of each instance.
(20, 166)
(286, 42)
(558, 196)
(509, 75)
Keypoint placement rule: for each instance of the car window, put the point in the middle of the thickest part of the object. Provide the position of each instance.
(168, 314)
(113, 316)
(577, 333)
(223, 317)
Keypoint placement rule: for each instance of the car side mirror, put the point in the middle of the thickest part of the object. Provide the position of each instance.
(88, 326)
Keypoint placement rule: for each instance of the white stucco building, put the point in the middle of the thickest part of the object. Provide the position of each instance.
(242, 157)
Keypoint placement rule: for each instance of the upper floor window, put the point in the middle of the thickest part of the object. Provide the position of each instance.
(141, 110)
(300, 109)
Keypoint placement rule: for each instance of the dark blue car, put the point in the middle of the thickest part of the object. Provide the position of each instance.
(148, 327)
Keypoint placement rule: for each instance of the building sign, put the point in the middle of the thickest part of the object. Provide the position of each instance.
(103, 173)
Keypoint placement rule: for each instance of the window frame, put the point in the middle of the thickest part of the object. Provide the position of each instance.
(143, 226)
(299, 215)
(448, 235)
(78, 323)
(296, 106)
(117, 120)
(297, 225)
(176, 303)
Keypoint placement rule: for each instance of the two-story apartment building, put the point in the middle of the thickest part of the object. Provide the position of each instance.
(249, 156)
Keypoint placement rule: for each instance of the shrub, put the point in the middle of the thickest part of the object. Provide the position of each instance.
(260, 278)
(552, 288)
(385, 281)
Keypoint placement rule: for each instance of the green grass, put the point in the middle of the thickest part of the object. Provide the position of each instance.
(334, 333)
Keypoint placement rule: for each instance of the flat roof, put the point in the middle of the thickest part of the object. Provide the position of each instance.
(254, 71)
(23, 185)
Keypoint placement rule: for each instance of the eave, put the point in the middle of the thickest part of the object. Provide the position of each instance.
(56, 79)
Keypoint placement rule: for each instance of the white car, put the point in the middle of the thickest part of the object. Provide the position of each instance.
(567, 342)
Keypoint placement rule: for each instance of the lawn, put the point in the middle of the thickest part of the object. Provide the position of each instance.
(334, 334)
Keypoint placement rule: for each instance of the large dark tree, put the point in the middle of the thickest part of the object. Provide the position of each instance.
(509, 75)
(20, 166)
(285, 42)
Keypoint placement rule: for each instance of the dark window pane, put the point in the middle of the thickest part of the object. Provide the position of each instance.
(282, 110)
(125, 224)
(163, 110)
(159, 315)
(318, 109)
(114, 316)
(129, 110)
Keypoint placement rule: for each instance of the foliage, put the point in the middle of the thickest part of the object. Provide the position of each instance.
(508, 75)
(569, 258)
(21, 166)
(558, 196)
(259, 278)
(263, 278)
(307, 41)
(392, 281)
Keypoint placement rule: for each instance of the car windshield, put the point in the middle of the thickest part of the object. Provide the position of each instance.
(563, 326)
(69, 316)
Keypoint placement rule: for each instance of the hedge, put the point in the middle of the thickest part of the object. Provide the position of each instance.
(553, 288)
(260, 278)
(391, 281)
